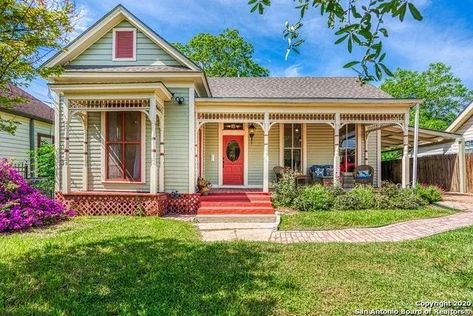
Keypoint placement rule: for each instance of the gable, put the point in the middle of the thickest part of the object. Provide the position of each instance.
(147, 52)
(91, 47)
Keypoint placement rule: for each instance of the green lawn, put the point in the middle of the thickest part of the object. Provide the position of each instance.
(324, 220)
(131, 265)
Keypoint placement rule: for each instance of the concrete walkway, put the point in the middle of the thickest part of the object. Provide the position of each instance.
(396, 232)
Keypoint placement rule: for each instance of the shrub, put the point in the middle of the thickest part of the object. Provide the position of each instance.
(285, 190)
(44, 164)
(360, 198)
(314, 198)
(22, 206)
(406, 199)
(388, 189)
(430, 193)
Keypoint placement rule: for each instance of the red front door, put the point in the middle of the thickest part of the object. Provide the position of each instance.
(233, 161)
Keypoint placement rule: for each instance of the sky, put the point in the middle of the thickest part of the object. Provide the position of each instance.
(445, 35)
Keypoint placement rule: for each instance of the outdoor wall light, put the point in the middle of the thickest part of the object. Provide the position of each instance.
(179, 100)
(251, 132)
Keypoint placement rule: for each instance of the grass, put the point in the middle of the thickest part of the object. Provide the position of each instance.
(324, 220)
(151, 266)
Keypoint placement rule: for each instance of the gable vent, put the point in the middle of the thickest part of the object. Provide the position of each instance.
(124, 44)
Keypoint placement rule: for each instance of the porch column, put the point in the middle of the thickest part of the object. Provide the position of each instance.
(336, 149)
(366, 151)
(161, 153)
(66, 170)
(153, 169)
(57, 143)
(461, 165)
(266, 127)
(416, 147)
(405, 151)
(85, 161)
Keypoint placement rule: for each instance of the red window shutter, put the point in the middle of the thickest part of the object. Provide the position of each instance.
(124, 44)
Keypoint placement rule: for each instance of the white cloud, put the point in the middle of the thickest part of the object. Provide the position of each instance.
(293, 71)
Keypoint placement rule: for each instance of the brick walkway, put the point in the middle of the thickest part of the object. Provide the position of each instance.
(396, 232)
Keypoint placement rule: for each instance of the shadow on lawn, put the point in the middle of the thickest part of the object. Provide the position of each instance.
(141, 275)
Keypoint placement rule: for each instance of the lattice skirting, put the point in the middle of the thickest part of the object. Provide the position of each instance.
(111, 203)
(183, 203)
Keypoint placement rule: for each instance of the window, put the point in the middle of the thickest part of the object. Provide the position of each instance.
(293, 146)
(469, 145)
(124, 44)
(347, 148)
(123, 146)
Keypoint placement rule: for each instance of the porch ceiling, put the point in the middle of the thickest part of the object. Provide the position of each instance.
(392, 137)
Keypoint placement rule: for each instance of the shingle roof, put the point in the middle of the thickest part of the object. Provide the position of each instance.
(153, 68)
(33, 108)
(293, 87)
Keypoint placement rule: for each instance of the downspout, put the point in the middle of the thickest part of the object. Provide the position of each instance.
(32, 158)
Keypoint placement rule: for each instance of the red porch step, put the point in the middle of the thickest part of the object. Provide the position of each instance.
(236, 203)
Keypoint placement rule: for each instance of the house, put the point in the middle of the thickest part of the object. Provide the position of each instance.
(463, 126)
(135, 119)
(35, 126)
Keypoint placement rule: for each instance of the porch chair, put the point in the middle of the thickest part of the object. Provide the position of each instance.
(322, 174)
(364, 174)
(278, 170)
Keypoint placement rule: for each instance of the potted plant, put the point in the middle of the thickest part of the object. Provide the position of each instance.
(203, 186)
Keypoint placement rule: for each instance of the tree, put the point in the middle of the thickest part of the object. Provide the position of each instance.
(223, 55)
(443, 93)
(358, 23)
(29, 31)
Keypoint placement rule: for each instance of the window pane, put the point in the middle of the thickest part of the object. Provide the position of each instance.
(114, 126)
(233, 151)
(132, 126)
(287, 158)
(132, 162)
(296, 163)
(297, 141)
(287, 135)
(114, 161)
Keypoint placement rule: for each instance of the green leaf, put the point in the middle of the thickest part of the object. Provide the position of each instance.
(350, 45)
(402, 12)
(351, 64)
(384, 31)
(341, 39)
(415, 13)
(386, 70)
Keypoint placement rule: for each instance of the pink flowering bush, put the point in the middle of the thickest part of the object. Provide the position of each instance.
(22, 206)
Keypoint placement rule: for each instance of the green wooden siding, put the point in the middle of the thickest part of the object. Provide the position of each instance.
(255, 155)
(76, 157)
(147, 52)
(319, 144)
(15, 147)
(176, 145)
(211, 149)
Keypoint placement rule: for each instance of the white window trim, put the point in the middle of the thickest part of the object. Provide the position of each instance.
(143, 153)
(119, 29)
(303, 146)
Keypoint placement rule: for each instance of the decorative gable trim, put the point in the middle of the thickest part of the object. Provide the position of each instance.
(119, 47)
(106, 24)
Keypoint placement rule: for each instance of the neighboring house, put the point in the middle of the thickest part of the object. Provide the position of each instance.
(135, 115)
(35, 125)
(463, 126)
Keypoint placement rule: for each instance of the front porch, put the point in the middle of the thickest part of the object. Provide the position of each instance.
(240, 150)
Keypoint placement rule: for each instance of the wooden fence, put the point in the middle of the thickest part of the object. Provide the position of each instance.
(440, 170)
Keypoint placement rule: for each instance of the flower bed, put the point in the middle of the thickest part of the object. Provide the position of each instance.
(362, 197)
(22, 206)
